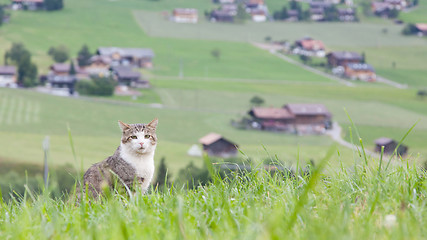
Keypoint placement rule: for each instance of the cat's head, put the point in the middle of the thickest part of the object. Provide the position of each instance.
(139, 138)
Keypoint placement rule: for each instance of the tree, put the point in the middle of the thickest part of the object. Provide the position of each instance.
(331, 13)
(84, 55)
(422, 93)
(409, 29)
(256, 101)
(281, 15)
(52, 5)
(394, 13)
(1, 15)
(21, 57)
(216, 53)
(241, 15)
(363, 57)
(97, 86)
(59, 54)
(305, 59)
(72, 71)
(163, 176)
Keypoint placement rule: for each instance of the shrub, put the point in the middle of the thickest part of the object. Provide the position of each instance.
(97, 86)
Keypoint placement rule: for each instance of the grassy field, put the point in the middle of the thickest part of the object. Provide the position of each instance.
(372, 202)
(417, 15)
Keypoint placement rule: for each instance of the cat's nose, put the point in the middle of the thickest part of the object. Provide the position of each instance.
(142, 144)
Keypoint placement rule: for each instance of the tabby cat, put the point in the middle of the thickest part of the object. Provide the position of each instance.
(132, 164)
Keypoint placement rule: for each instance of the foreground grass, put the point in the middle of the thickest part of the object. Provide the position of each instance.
(368, 202)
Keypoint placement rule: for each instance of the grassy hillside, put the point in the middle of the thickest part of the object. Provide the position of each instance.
(367, 203)
(416, 15)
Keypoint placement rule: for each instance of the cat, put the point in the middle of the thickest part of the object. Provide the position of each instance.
(132, 164)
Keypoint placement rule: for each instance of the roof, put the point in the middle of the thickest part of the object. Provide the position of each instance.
(320, 5)
(307, 109)
(60, 67)
(210, 138)
(104, 59)
(346, 55)
(272, 113)
(311, 44)
(317, 11)
(292, 13)
(421, 27)
(383, 141)
(125, 72)
(360, 66)
(130, 52)
(347, 11)
(7, 70)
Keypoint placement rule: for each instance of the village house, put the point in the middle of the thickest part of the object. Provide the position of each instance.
(347, 15)
(8, 76)
(98, 65)
(309, 47)
(217, 146)
(138, 57)
(293, 15)
(383, 8)
(310, 118)
(343, 58)
(221, 16)
(272, 119)
(422, 29)
(360, 71)
(230, 8)
(317, 14)
(27, 4)
(185, 15)
(389, 146)
(258, 15)
(124, 75)
(297, 118)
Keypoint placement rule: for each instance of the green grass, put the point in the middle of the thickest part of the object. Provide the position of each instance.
(342, 204)
(418, 15)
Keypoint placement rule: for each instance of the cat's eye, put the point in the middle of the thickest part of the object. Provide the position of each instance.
(147, 136)
(133, 137)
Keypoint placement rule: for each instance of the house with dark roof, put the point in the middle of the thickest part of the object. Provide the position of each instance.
(221, 16)
(125, 75)
(138, 57)
(272, 119)
(298, 118)
(347, 15)
(360, 71)
(8, 76)
(389, 146)
(343, 58)
(310, 118)
(293, 15)
(216, 145)
(309, 47)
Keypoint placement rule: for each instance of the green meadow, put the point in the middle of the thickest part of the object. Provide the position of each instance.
(200, 94)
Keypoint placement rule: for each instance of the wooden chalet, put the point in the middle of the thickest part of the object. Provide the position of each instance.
(272, 119)
(343, 58)
(138, 57)
(217, 146)
(98, 65)
(389, 146)
(360, 71)
(347, 15)
(222, 16)
(124, 75)
(8, 76)
(310, 118)
(185, 15)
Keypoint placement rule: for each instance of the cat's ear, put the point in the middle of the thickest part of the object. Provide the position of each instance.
(123, 126)
(153, 124)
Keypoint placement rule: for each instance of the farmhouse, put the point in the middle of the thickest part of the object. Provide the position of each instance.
(360, 71)
(347, 15)
(8, 76)
(293, 15)
(343, 58)
(292, 118)
(98, 65)
(310, 118)
(59, 69)
(217, 146)
(222, 16)
(185, 15)
(389, 146)
(138, 57)
(317, 14)
(64, 83)
(272, 119)
(124, 75)
(27, 4)
(258, 15)
(309, 47)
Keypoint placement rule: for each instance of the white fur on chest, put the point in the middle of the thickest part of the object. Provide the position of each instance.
(143, 165)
